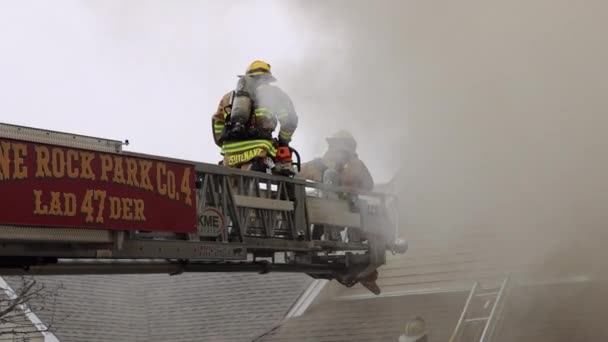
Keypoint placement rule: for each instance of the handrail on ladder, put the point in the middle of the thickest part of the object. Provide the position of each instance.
(464, 312)
(488, 319)
(496, 303)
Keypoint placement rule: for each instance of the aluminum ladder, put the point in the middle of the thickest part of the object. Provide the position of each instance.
(481, 313)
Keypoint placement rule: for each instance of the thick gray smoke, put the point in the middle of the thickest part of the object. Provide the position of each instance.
(494, 110)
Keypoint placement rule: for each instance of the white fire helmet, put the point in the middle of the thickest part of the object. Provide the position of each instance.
(414, 330)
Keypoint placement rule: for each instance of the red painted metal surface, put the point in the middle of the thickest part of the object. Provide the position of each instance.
(52, 186)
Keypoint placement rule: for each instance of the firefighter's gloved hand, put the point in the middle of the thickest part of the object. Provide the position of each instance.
(331, 177)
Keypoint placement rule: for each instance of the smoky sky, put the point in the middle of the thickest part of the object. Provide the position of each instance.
(494, 111)
(149, 71)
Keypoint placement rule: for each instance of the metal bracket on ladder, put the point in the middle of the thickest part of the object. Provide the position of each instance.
(481, 314)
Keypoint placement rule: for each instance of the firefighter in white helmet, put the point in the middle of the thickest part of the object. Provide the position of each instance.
(341, 166)
(341, 157)
(415, 331)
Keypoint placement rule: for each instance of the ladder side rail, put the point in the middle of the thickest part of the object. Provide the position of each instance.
(45, 136)
(486, 334)
(460, 323)
(501, 312)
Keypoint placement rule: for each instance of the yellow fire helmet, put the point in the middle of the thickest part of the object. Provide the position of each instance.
(257, 68)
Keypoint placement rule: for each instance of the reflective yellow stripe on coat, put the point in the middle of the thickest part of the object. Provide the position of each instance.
(242, 146)
(218, 128)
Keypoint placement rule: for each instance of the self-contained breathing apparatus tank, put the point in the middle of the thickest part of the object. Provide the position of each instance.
(241, 106)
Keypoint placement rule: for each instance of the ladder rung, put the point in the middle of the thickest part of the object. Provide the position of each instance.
(487, 294)
(478, 319)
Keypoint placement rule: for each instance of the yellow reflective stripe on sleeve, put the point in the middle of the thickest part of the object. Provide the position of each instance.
(241, 146)
(258, 112)
(283, 115)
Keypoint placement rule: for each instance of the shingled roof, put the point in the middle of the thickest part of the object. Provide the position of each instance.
(556, 313)
(371, 320)
(542, 313)
(218, 307)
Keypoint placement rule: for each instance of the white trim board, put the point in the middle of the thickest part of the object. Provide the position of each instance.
(306, 298)
(527, 281)
(36, 322)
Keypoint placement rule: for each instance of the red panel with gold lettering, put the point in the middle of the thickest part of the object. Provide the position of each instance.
(46, 185)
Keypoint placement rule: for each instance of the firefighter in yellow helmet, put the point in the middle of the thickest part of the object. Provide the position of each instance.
(246, 118)
(415, 331)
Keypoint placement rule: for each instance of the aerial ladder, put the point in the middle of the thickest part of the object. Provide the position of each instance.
(74, 204)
